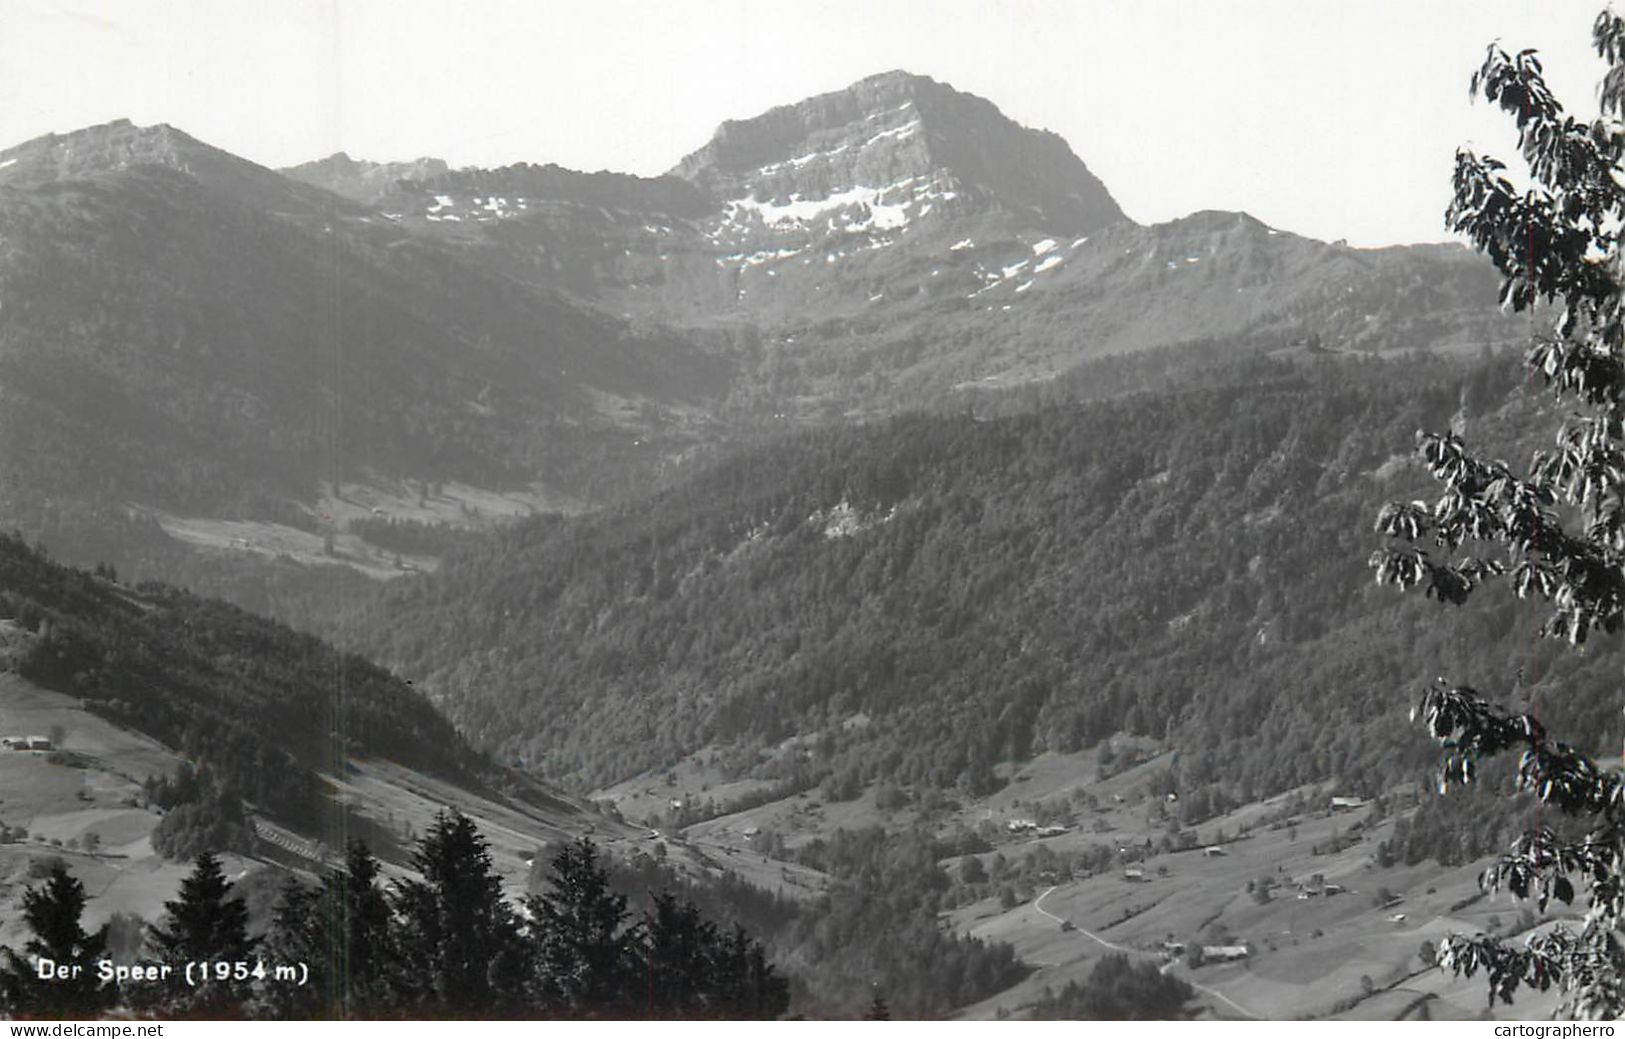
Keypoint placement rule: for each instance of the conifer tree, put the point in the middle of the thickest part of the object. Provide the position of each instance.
(878, 1010)
(459, 940)
(343, 931)
(676, 942)
(1556, 529)
(585, 954)
(693, 969)
(299, 934)
(369, 967)
(749, 988)
(52, 912)
(205, 925)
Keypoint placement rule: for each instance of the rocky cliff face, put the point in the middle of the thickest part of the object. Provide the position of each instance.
(904, 142)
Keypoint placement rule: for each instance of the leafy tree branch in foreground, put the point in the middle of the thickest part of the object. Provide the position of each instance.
(1557, 529)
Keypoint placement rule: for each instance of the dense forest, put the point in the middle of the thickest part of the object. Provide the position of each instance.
(918, 600)
(876, 929)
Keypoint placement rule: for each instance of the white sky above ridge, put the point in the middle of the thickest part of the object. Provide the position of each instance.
(1331, 119)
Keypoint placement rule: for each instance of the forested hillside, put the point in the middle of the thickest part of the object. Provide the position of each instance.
(258, 708)
(921, 599)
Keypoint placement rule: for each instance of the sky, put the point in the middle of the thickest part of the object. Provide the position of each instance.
(1338, 120)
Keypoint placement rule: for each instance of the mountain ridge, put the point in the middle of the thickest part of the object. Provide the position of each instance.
(120, 144)
(912, 233)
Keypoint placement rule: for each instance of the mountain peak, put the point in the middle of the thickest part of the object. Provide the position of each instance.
(118, 146)
(895, 127)
(107, 145)
(361, 180)
(896, 79)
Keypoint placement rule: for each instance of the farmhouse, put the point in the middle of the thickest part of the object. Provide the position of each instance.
(1347, 804)
(1213, 851)
(1135, 874)
(1225, 952)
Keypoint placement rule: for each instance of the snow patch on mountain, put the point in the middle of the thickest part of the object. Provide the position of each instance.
(855, 209)
(907, 130)
(756, 259)
(801, 160)
(903, 132)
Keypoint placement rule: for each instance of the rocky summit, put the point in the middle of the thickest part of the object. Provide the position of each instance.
(787, 194)
(890, 150)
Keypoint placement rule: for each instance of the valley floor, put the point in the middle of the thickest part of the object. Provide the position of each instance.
(1350, 953)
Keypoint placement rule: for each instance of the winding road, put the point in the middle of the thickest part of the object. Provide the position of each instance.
(1038, 904)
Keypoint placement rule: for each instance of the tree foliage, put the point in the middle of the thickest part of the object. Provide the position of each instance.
(459, 937)
(52, 912)
(979, 591)
(343, 928)
(204, 924)
(444, 943)
(1555, 529)
(1118, 990)
(579, 930)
